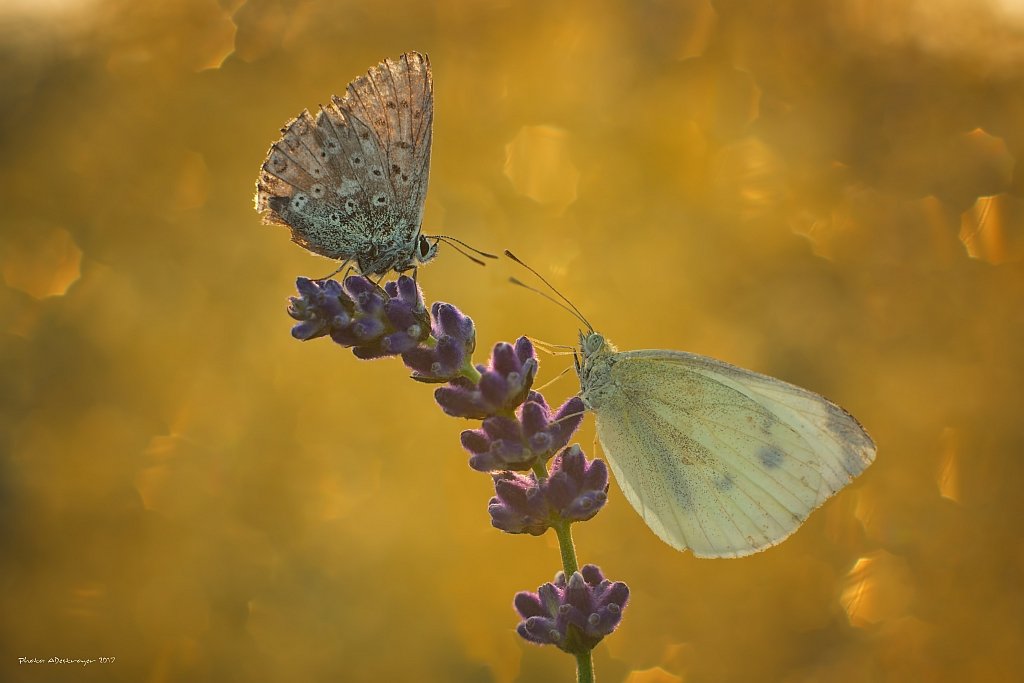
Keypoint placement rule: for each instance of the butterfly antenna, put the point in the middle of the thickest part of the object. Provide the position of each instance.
(472, 258)
(452, 241)
(568, 305)
(572, 311)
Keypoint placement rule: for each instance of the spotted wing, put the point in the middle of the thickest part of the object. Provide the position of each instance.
(395, 104)
(359, 168)
(722, 460)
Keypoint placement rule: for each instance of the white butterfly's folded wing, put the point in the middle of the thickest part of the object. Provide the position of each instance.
(721, 460)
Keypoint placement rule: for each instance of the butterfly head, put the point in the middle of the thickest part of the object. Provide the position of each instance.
(591, 342)
(594, 348)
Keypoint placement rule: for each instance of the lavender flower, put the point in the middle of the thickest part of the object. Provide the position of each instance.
(504, 384)
(375, 322)
(574, 615)
(320, 307)
(577, 489)
(520, 506)
(519, 432)
(520, 442)
(574, 492)
(456, 340)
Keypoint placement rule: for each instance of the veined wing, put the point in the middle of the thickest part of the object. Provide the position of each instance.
(395, 104)
(722, 460)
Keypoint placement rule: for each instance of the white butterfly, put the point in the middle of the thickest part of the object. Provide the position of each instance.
(717, 459)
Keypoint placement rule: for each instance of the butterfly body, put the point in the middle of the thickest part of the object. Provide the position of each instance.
(350, 183)
(715, 458)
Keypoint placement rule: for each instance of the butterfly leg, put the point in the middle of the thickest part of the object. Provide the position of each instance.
(340, 268)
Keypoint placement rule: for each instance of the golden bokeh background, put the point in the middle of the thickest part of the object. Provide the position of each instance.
(828, 192)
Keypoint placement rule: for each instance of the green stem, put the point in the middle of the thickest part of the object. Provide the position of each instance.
(469, 372)
(566, 547)
(584, 661)
(584, 668)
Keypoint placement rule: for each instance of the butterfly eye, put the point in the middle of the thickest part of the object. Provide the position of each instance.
(425, 250)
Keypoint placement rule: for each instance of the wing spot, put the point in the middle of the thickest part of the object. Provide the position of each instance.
(770, 457)
(391, 104)
(350, 205)
(356, 160)
(317, 190)
(278, 163)
(380, 199)
(299, 201)
(377, 173)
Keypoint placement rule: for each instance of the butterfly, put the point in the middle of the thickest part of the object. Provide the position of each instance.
(350, 182)
(718, 459)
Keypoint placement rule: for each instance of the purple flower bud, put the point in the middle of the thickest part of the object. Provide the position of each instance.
(504, 384)
(360, 287)
(519, 506)
(368, 328)
(320, 307)
(310, 329)
(405, 290)
(375, 322)
(456, 340)
(574, 491)
(574, 615)
(399, 342)
(512, 443)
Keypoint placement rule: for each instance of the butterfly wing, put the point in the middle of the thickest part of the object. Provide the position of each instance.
(394, 103)
(718, 459)
(351, 182)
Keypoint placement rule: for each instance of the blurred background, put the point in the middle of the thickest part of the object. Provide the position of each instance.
(827, 192)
